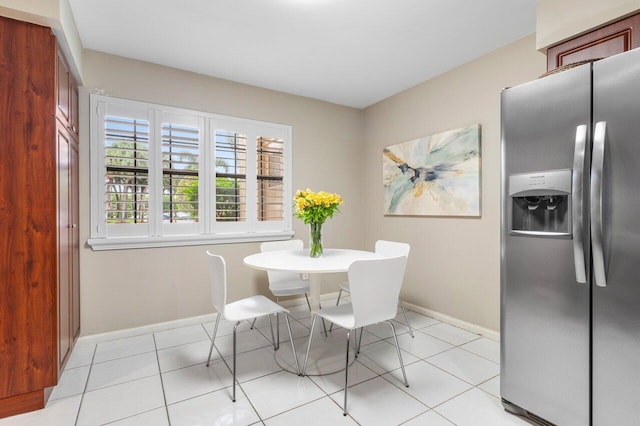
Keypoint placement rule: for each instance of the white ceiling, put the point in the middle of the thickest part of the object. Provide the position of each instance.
(349, 52)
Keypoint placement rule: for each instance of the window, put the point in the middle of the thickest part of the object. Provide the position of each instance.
(164, 176)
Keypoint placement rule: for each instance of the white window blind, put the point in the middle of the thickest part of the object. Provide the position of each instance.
(270, 174)
(164, 176)
(180, 166)
(126, 174)
(231, 176)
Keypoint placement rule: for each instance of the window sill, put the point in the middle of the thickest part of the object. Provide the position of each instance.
(126, 243)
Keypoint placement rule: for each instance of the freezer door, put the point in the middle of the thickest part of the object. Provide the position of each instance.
(544, 310)
(616, 307)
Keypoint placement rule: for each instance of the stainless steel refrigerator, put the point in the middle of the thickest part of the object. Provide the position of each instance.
(570, 253)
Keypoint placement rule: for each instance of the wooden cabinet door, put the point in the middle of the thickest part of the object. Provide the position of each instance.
(75, 241)
(609, 40)
(73, 105)
(64, 242)
(63, 87)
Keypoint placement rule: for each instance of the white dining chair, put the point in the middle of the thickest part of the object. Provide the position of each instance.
(386, 249)
(240, 310)
(282, 284)
(375, 289)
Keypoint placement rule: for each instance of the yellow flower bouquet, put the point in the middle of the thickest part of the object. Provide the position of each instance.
(314, 208)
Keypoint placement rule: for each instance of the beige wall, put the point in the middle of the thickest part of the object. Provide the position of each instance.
(129, 288)
(69, 40)
(454, 263)
(558, 20)
(31, 10)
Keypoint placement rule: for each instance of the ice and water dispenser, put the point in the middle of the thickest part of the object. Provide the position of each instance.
(541, 203)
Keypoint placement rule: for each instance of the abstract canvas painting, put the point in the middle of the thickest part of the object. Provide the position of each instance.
(437, 175)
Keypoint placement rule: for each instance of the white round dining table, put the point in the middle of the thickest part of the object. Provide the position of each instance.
(322, 359)
(299, 261)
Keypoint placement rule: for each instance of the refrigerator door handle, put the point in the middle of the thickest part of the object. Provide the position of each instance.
(577, 184)
(596, 203)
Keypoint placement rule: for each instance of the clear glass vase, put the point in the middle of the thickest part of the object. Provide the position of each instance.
(315, 239)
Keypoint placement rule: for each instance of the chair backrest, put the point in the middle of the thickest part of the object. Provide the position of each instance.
(218, 269)
(375, 289)
(392, 248)
(276, 277)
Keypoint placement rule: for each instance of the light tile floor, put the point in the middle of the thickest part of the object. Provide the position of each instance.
(161, 379)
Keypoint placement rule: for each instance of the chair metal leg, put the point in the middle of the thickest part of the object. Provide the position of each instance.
(253, 323)
(276, 346)
(355, 341)
(213, 338)
(395, 337)
(324, 324)
(308, 303)
(293, 347)
(337, 303)
(306, 357)
(346, 374)
(277, 326)
(235, 328)
(278, 330)
(406, 320)
(359, 341)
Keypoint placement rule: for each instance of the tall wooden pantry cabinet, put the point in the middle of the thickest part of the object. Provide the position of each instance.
(39, 240)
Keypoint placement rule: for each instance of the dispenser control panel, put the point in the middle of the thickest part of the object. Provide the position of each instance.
(539, 183)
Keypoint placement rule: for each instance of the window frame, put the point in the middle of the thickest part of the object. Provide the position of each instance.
(207, 230)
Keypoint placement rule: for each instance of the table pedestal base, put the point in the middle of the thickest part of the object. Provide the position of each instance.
(327, 355)
(315, 285)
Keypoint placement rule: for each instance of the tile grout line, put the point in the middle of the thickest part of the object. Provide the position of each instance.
(123, 357)
(164, 396)
(453, 397)
(451, 374)
(86, 384)
(481, 356)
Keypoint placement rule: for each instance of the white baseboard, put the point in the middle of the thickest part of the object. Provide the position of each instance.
(145, 329)
(489, 334)
(184, 322)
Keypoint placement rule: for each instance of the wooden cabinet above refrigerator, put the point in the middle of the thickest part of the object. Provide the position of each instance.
(608, 40)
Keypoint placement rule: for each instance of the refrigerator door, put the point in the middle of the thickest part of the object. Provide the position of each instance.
(545, 325)
(616, 307)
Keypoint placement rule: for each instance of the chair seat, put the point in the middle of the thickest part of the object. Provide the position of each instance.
(340, 315)
(290, 287)
(251, 307)
(345, 287)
